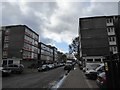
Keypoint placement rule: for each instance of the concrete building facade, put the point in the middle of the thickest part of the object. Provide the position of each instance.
(0, 46)
(97, 37)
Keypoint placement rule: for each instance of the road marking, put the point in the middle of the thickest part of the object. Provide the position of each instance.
(59, 83)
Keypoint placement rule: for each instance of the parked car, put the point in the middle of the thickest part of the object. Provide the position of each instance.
(101, 80)
(5, 72)
(15, 68)
(44, 67)
(90, 66)
(68, 67)
(61, 64)
(50, 66)
(92, 74)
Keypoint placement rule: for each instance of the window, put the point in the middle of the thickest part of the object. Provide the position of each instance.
(110, 20)
(89, 59)
(107, 20)
(115, 49)
(110, 48)
(6, 38)
(10, 62)
(108, 29)
(4, 62)
(6, 45)
(97, 59)
(7, 32)
(112, 39)
(112, 29)
(4, 53)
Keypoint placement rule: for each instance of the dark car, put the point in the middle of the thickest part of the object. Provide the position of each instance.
(44, 67)
(68, 67)
(101, 80)
(5, 72)
(15, 68)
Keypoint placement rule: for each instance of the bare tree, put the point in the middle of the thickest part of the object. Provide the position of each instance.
(74, 47)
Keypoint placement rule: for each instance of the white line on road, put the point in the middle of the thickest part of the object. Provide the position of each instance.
(59, 83)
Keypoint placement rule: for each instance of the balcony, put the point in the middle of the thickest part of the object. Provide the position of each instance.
(110, 24)
(111, 33)
(112, 43)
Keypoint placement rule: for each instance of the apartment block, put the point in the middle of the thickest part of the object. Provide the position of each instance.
(47, 54)
(20, 43)
(0, 46)
(97, 37)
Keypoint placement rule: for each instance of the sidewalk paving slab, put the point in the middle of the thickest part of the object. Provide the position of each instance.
(76, 79)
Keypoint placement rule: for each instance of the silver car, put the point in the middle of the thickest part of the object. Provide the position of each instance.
(15, 68)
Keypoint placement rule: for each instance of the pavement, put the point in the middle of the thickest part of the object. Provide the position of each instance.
(77, 79)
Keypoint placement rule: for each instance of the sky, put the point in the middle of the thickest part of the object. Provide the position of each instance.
(56, 21)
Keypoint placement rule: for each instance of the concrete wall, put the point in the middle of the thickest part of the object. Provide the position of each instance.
(94, 39)
(15, 42)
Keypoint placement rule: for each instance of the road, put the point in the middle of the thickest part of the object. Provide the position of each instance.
(48, 79)
(34, 80)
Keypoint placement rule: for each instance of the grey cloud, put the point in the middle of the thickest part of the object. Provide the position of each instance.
(12, 14)
(45, 8)
(46, 40)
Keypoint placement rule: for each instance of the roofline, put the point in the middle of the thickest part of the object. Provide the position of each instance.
(97, 17)
(22, 26)
(47, 45)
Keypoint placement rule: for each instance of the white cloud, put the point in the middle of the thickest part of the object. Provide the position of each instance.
(54, 21)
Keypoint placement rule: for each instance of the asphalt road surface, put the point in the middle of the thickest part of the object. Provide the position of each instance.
(46, 79)
(34, 80)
